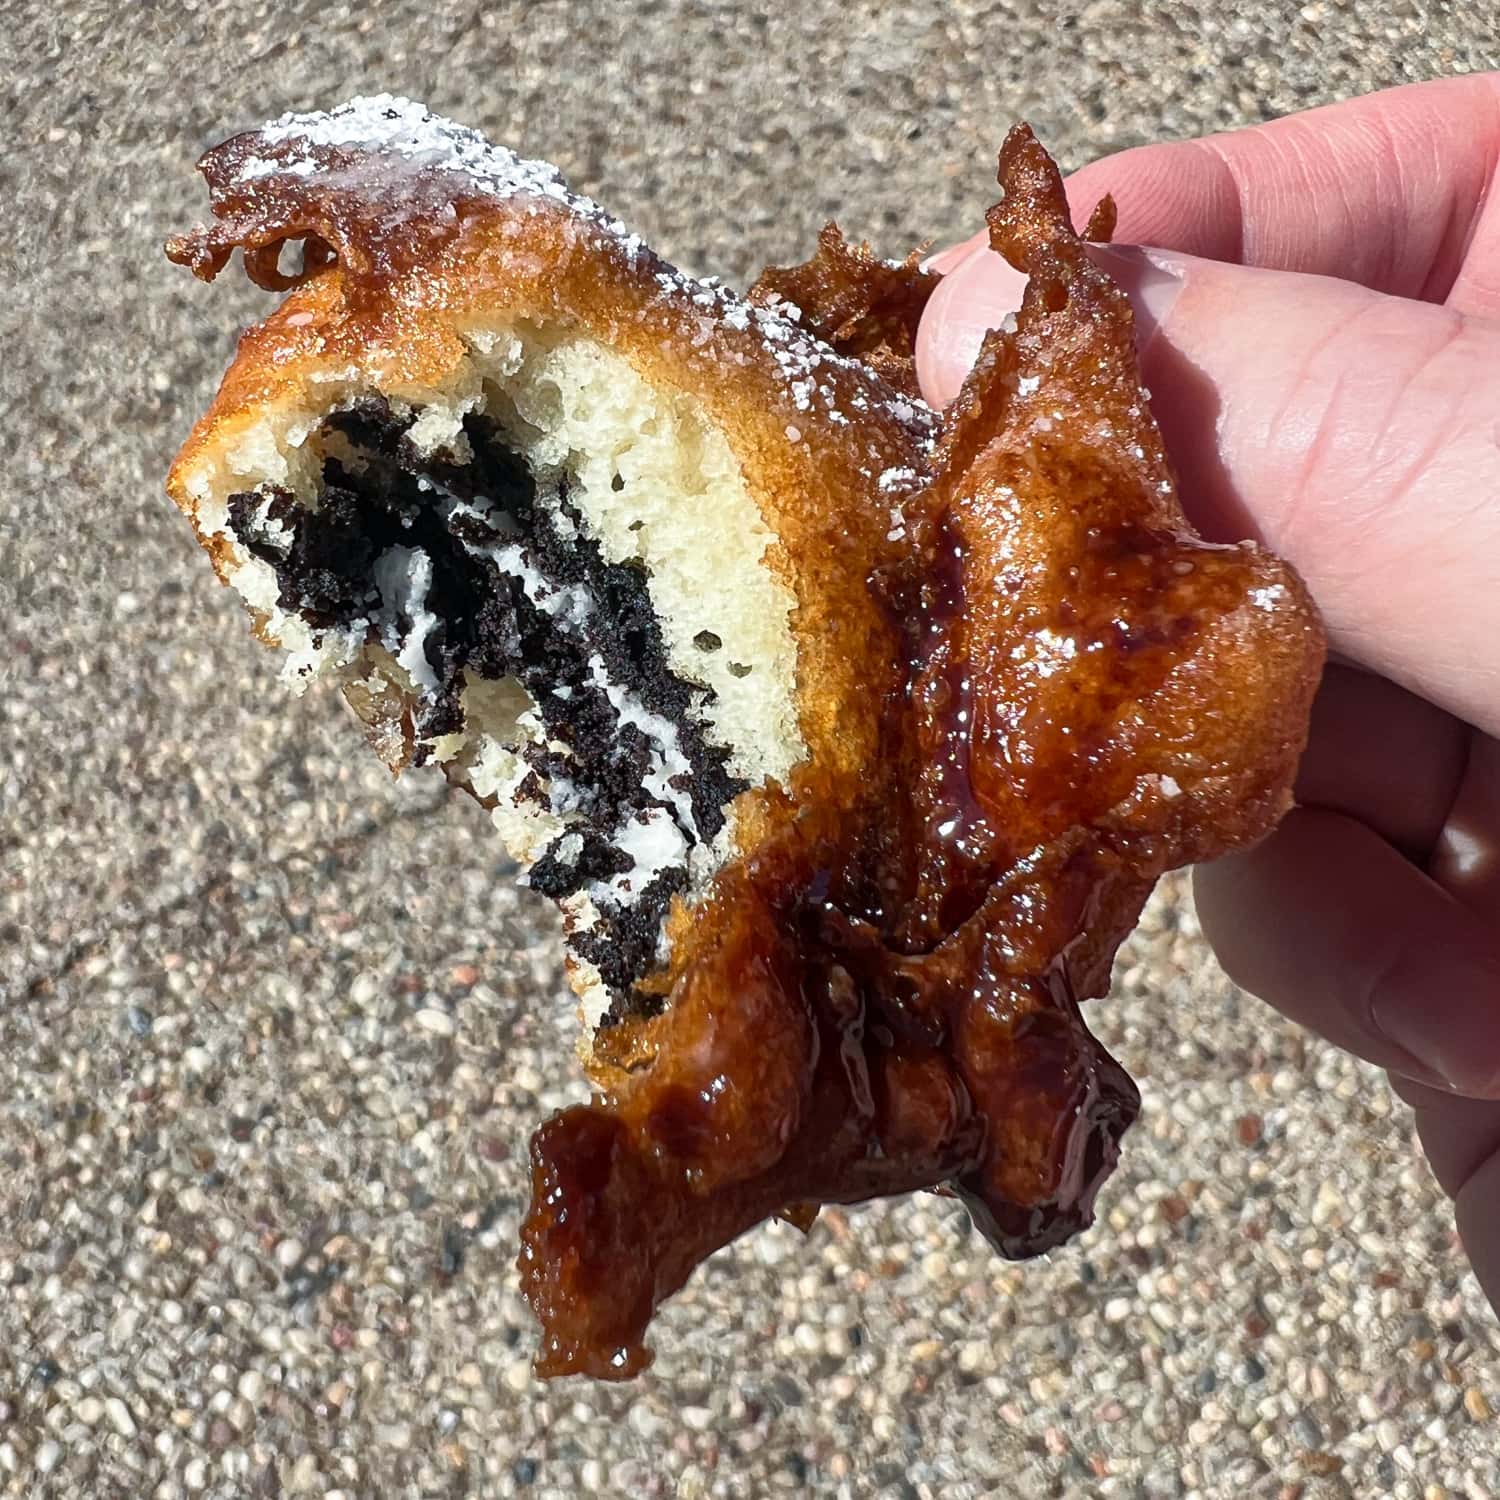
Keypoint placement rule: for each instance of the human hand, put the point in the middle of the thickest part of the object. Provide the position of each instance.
(1319, 324)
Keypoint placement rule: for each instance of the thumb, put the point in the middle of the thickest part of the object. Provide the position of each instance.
(1357, 434)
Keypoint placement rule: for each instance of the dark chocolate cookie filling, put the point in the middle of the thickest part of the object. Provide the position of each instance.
(479, 619)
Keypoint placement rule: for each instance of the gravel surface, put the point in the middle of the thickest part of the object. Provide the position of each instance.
(275, 1027)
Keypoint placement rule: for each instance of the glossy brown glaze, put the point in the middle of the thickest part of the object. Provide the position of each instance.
(885, 997)
(803, 1059)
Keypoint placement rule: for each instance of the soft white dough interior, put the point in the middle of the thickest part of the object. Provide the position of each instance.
(654, 482)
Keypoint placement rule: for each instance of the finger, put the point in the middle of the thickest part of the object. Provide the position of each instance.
(1477, 1209)
(1389, 190)
(1381, 754)
(1458, 1134)
(1337, 930)
(1354, 433)
(1384, 190)
(1461, 1138)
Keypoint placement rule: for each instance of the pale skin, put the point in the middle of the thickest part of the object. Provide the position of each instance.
(1319, 325)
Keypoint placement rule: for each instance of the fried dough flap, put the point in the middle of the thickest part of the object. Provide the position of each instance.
(856, 303)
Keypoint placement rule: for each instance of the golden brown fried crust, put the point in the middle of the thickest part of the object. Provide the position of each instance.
(856, 303)
(1022, 705)
(1091, 696)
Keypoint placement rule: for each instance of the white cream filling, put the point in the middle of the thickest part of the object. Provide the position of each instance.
(655, 839)
(667, 761)
(655, 844)
(403, 575)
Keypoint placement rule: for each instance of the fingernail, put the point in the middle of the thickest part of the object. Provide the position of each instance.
(945, 262)
(970, 300)
(1151, 279)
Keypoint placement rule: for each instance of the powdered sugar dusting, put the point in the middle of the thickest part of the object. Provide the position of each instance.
(386, 168)
(394, 126)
